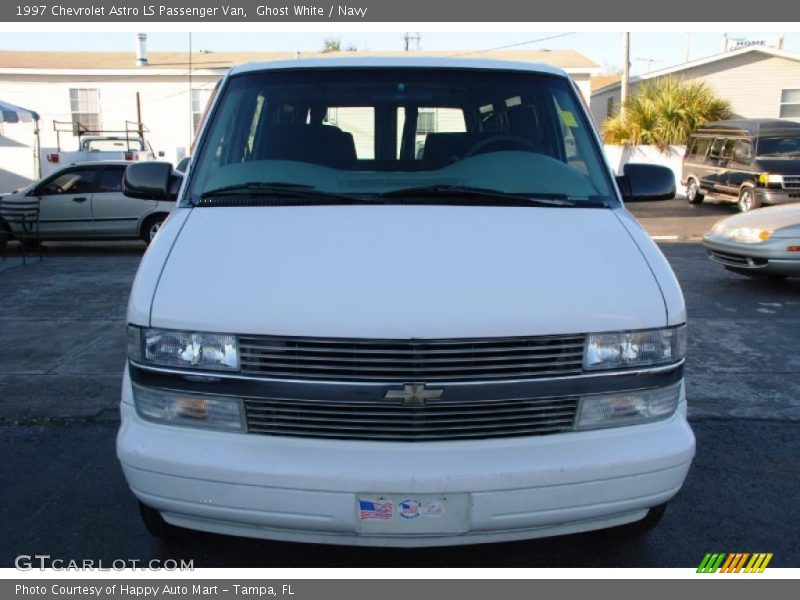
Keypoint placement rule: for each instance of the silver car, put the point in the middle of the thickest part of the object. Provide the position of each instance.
(761, 243)
(85, 202)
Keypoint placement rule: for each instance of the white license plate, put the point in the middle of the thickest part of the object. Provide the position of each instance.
(423, 514)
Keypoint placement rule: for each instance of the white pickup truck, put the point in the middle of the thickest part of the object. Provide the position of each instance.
(99, 148)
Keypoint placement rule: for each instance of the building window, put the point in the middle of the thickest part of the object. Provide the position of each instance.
(610, 106)
(85, 108)
(199, 100)
(426, 121)
(790, 104)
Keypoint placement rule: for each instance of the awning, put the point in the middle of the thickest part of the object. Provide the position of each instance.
(10, 113)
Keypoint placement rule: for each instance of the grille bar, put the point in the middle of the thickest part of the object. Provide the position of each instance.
(418, 437)
(730, 258)
(382, 420)
(401, 360)
(791, 182)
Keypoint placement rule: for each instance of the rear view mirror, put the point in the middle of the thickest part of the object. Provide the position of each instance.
(641, 181)
(151, 180)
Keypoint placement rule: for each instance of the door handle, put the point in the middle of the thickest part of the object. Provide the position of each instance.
(80, 199)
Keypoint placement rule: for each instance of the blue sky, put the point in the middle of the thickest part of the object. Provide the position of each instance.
(656, 50)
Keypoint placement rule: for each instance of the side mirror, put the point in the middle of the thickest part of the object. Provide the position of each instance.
(641, 181)
(151, 180)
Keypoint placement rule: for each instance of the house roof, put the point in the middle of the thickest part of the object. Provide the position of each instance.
(569, 60)
(700, 62)
(601, 81)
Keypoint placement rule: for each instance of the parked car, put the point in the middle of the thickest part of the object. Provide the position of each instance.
(85, 202)
(763, 243)
(752, 162)
(334, 339)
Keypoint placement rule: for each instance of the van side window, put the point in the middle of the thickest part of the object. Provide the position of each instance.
(743, 151)
(727, 149)
(717, 148)
(699, 148)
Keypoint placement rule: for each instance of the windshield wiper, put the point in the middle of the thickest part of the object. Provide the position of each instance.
(456, 191)
(276, 191)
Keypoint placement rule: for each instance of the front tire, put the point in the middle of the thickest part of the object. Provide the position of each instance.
(158, 527)
(150, 228)
(693, 194)
(748, 199)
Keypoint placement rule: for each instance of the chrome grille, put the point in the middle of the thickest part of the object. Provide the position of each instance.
(392, 421)
(791, 182)
(410, 361)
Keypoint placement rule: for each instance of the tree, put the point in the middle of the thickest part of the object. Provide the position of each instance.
(331, 45)
(665, 111)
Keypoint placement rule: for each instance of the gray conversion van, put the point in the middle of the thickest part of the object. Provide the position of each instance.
(749, 161)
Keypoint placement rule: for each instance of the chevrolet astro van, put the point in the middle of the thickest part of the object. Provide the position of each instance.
(400, 303)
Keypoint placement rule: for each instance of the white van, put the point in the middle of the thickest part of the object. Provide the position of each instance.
(400, 303)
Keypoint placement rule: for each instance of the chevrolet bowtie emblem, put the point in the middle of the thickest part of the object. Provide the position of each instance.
(413, 393)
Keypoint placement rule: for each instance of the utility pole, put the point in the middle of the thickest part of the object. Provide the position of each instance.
(407, 39)
(688, 47)
(139, 125)
(626, 72)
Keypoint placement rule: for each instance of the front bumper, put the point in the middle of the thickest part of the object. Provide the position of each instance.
(768, 196)
(770, 257)
(305, 490)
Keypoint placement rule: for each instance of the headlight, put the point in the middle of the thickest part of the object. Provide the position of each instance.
(184, 349)
(646, 347)
(719, 228)
(627, 408)
(186, 408)
(770, 178)
(748, 235)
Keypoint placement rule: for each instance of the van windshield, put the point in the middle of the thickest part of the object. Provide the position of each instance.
(779, 147)
(399, 134)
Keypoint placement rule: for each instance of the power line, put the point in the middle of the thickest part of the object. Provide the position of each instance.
(544, 39)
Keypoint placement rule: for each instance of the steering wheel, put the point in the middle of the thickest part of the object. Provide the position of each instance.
(500, 138)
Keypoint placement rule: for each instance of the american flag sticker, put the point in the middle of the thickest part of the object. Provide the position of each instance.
(369, 511)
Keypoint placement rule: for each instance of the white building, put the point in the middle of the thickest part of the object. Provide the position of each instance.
(99, 90)
(758, 81)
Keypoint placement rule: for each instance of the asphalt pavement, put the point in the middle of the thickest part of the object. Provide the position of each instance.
(62, 349)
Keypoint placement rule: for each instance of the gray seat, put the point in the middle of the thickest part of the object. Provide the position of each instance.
(324, 145)
(442, 149)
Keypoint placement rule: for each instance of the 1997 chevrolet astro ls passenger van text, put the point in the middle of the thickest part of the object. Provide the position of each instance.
(400, 303)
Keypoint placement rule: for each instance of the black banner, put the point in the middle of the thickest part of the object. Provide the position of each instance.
(394, 11)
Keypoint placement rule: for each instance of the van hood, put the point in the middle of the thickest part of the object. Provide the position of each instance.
(400, 272)
(782, 166)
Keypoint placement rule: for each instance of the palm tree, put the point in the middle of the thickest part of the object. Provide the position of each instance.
(665, 111)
